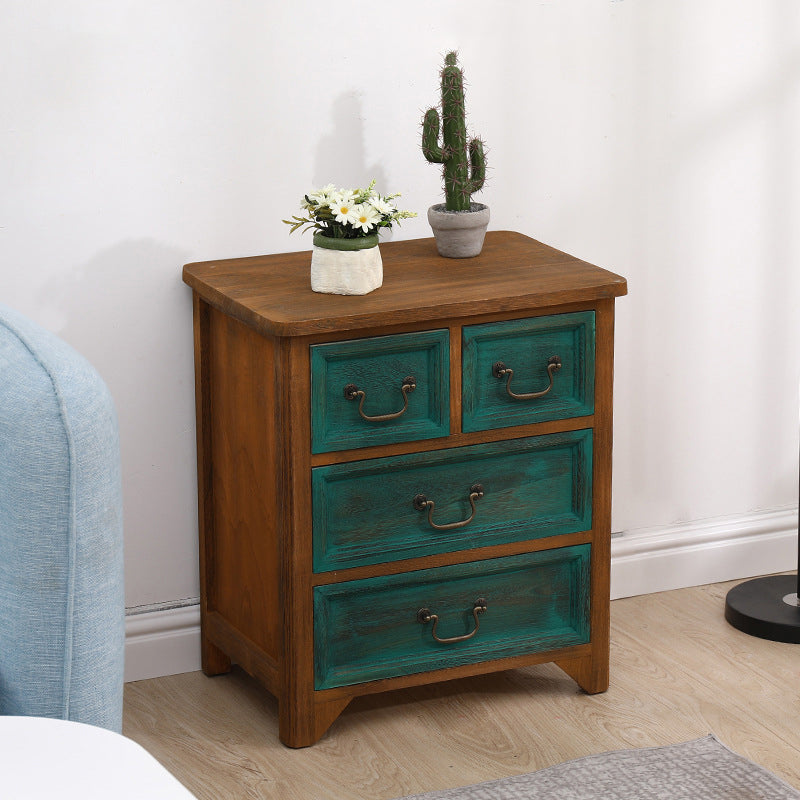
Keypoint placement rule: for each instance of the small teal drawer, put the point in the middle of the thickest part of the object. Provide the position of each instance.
(370, 511)
(380, 390)
(371, 629)
(528, 370)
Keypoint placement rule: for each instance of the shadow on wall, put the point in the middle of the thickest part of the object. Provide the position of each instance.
(122, 310)
(341, 156)
(128, 311)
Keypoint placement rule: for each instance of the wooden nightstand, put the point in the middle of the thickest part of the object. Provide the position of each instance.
(408, 486)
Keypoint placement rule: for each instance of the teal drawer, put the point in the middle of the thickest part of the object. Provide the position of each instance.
(370, 511)
(547, 362)
(371, 629)
(360, 394)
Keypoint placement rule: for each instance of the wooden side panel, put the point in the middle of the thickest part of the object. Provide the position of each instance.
(601, 564)
(213, 659)
(242, 421)
(301, 722)
(367, 630)
(364, 511)
(592, 673)
(526, 347)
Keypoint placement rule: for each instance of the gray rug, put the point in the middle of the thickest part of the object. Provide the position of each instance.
(700, 770)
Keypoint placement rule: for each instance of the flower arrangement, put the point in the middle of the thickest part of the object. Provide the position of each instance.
(347, 213)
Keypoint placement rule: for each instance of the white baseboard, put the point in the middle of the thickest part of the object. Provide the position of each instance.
(704, 551)
(166, 641)
(162, 642)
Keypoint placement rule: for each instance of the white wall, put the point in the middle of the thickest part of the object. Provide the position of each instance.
(657, 138)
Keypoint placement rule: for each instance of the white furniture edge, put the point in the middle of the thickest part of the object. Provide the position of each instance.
(166, 641)
(43, 759)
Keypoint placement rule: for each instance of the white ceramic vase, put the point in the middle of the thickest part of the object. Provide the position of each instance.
(346, 266)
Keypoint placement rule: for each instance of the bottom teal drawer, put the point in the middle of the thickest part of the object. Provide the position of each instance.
(371, 629)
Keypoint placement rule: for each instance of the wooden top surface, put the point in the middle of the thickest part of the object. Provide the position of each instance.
(273, 294)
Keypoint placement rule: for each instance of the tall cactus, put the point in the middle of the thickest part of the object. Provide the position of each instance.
(461, 179)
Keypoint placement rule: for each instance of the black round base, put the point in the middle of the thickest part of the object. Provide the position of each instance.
(758, 607)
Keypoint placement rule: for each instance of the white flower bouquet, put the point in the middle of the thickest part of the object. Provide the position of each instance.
(347, 213)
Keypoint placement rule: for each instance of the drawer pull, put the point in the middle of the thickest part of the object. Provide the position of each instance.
(351, 392)
(500, 370)
(421, 503)
(424, 616)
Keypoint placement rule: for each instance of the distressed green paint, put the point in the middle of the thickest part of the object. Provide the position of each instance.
(525, 346)
(378, 366)
(363, 511)
(366, 630)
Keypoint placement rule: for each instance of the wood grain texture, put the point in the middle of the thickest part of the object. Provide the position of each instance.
(513, 273)
(532, 487)
(300, 723)
(454, 440)
(679, 672)
(243, 480)
(526, 346)
(594, 676)
(378, 366)
(214, 660)
(367, 629)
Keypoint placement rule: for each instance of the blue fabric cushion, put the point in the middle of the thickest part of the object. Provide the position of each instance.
(61, 583)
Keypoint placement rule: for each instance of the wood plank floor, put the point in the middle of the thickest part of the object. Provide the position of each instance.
(678, 672)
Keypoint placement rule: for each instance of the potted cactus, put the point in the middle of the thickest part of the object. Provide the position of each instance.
(459, 224)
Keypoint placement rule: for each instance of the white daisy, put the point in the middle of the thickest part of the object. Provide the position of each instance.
(381, 206)
(343, 208)
(321, 196)
(342, 196)
(366, 217)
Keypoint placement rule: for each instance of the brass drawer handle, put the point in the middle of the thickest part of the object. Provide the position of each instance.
(421, 503)
(424, 616)
(351, 392)
(500, 370)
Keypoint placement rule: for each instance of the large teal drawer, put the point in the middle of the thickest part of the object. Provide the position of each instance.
(379, 367)
(364, 512)
(526, 347)
(369, 629)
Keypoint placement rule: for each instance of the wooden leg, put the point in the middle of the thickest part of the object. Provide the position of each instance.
(591, 674)
(296, 732)
(212, 659)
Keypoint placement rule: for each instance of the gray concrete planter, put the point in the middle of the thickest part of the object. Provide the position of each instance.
(459, 234)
